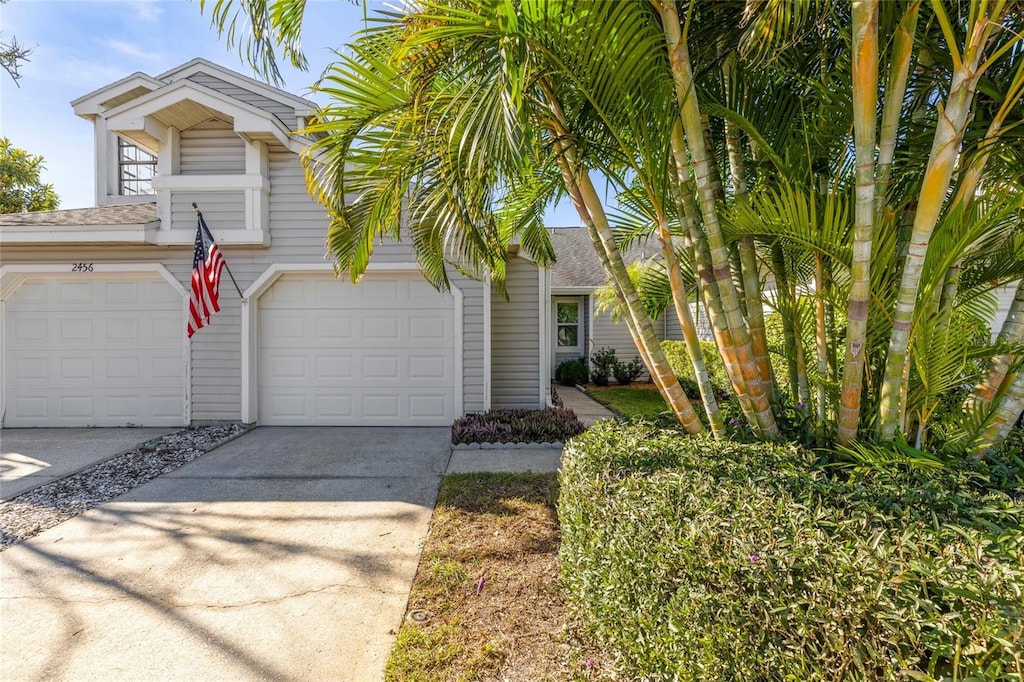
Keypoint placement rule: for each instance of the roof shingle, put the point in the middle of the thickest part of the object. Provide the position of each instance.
(577, 264)
(125, 214)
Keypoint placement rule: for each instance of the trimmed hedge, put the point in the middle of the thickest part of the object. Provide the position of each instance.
(696, 560)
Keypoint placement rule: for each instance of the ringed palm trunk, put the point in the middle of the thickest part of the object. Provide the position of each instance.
(895, 90)
(865, 97)
(1008, 410)
(591, 211)
(1011, 332)
(942, 160)
(681, 301)
(751, 276)
(820, 334)
(695, 140)
(751, 281)
(785, 305)
(967, 190)
(697, 245)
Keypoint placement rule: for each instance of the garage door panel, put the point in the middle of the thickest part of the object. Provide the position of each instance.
(428, 406)
(286, 365)
(378, 353)
(76, 369)
(331, 368)
(335, 324)
(429, 367)
(77, 293)
(94, 351)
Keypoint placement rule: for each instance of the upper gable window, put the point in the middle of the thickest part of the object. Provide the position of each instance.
(135, 169)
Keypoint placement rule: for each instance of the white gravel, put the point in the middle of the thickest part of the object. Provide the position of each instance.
(53, 503)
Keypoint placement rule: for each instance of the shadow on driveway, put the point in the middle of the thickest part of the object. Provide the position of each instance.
(287, 553)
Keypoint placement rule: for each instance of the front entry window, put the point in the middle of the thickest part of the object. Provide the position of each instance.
(568, 320)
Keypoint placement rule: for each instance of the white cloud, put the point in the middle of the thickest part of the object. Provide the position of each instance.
(148, 11)
(132, 50)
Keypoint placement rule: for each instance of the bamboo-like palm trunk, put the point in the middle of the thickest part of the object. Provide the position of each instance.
(949, 132)
(751, 276)
(1008, 410)
(591, 211)
(895, 90)
(696, 244)
(783, 301)
(695, 139)
(820, 334)
(865, 98)
(1012, 331)
(967, 191)
(681, 302)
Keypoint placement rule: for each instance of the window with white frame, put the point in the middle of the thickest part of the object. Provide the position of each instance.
(135, 169)
(567, 321)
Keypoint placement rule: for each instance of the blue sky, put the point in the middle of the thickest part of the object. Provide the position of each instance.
(81, 45)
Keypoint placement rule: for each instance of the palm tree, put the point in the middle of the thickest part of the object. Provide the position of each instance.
(454, 123)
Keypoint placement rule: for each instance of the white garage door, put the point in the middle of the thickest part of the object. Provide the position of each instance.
(93, 351)
(377, 354)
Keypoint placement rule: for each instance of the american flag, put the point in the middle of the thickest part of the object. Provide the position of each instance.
(207, 264)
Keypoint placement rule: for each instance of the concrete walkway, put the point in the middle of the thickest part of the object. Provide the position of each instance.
(285, 554)
(586, 408)
(31, 457)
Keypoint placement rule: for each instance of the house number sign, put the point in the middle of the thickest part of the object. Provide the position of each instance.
(81, 267)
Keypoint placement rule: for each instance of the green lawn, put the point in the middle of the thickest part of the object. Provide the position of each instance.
(636, 400)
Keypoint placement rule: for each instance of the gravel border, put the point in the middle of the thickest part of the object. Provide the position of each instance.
(53, 503)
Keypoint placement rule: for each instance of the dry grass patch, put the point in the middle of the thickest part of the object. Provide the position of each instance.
(486, 603)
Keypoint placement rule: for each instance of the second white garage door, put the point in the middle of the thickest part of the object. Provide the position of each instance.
(380, 353)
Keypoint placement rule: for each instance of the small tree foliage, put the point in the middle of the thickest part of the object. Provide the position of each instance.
(21, 189)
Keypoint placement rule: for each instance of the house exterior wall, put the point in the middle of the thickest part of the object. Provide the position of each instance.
(212, 148)
(298, 228)
(516, 339)
(614, 334)
(1004, 295)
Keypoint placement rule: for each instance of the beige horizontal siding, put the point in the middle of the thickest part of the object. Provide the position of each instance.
(515, 339)
(222, 209)
(212, 148)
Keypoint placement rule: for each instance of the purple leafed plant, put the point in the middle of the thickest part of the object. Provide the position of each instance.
(517, 426)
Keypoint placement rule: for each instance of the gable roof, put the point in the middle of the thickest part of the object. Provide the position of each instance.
(199, 65)
(576, 263)
(289, 110)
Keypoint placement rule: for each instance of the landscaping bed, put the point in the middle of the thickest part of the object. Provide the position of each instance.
(550, 425)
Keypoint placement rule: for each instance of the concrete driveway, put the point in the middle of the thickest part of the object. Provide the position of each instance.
(32, 457)
(284, 554)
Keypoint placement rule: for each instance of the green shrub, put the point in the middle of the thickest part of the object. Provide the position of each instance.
(571, 372)
(628, 372)
(602, 364)
(691, 559)
(679, 359)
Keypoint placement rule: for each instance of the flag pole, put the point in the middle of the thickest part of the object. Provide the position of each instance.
(226, 267)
